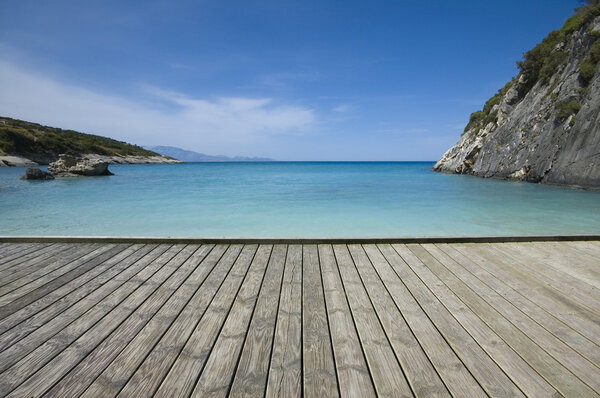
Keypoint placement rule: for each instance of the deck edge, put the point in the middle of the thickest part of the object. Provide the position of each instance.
(365, 240)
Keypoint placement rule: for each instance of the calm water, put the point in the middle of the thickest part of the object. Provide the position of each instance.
(290, 200)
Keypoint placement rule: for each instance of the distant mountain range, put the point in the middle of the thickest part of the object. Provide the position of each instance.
(191, 156)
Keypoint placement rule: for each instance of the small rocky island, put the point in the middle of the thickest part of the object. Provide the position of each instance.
(69, 166)
(544, 125)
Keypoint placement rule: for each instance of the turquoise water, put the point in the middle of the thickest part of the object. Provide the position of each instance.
(290, 199)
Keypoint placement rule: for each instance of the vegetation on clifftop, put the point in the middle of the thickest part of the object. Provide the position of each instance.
(543, 61)
(19, 137)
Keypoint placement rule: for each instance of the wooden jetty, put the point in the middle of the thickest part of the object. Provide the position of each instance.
(295, 318)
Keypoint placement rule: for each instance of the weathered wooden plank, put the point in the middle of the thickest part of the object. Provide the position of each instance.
(538, 267)
(591, 248)
(221, 314)
(21, 330)
(150, 319)
(147, 378)
(28, 355)
(54, 260)
(252, 370)
(351, 366)
(77, 288)
(6, 248)
(142, 364)
(513, 273)
(79, 266)
(285, 371)
(39, 260)
(18, 253)
(571, 260)
(148, 296)
(137, 321)
(524, 362)
(453, 372)
(388, 377)
(560, 329)
(560, 263)
(481, 365)
(319, 375)
(549, 356)
(419, 372)
(59, 267)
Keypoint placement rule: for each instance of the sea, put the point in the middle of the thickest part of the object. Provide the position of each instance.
(291, 200)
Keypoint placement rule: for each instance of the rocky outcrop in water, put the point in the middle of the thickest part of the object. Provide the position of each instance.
(71, 166)
(544, 125)
(34, 173)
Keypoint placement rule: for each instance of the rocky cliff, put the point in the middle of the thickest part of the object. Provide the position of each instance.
(544, 125)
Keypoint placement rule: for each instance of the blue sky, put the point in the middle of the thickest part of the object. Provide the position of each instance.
(290, 80)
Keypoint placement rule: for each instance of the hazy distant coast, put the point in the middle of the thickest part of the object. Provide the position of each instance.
(191, 156)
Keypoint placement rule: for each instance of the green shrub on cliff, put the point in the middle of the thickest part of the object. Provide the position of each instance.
(545, 59)
(566, 109)
(587, 69)
(480, 119)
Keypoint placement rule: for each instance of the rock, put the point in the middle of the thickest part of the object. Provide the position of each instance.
(34, 173)
(15, 161)
(68, 166)
(531, 138)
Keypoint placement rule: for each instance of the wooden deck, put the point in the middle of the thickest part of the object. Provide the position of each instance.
(292, 320)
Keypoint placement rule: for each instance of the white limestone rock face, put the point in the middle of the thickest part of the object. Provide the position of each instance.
(70, 166)
(16, 161)
(529, 141)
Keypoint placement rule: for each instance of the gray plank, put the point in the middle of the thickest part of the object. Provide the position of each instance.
(66, 293)
(319, 376)
(419, 372)
(140, 371)
(538, 266)
(29, 324)
(253, 365)
(40, 288)
(285, 371)
(520, 359)
(39, 262)
(481, 365)
(388, 378)
(157, 289)
(57, 268)
(515, 273)
(21, 252)
(139, 331)
(559, 364)
(453, 372)
(351, 366)
(28, 355)
(591, 248)
(547, 320)
(184, 373)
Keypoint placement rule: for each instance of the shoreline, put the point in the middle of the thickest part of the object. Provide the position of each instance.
(22, 161)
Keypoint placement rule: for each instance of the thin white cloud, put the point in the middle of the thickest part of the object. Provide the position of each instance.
(224, 125)
(411, 131)
(343, 108)
(282, 79)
